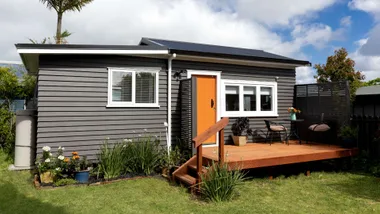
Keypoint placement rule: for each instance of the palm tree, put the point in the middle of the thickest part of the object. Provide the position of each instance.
(61, 6)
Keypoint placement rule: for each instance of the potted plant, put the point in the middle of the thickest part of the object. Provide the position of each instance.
(348, 135)
(80, 167)
(293, 111)
(241, 126)
(45, 166)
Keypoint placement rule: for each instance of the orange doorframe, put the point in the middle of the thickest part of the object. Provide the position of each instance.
(206, 99)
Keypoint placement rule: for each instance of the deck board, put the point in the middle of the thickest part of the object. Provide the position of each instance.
(256, 155)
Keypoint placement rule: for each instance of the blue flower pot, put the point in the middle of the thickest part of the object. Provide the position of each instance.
(82, 176)
(293, 116)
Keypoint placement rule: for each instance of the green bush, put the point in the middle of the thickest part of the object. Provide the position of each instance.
(7, 131)
(111, 160)
(143, 155)
(220, 184)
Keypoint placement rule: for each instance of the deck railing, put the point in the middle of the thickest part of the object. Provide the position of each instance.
(200, 139)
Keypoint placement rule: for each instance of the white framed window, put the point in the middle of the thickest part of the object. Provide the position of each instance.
(242, 98)
(133, 87)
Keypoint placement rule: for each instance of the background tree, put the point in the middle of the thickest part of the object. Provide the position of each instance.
(339, 67)
(61, 6)
(372, 82)
(12, 88)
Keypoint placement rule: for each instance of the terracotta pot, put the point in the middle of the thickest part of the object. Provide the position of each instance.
(165, 172)
(46, 177)
(239, 140)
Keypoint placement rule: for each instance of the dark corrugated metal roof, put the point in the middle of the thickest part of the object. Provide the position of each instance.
(216, 50)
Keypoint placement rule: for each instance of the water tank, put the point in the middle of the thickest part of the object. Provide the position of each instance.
(25, 146)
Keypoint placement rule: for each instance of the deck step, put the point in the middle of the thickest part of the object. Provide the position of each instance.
(193, 167)
(186, 179)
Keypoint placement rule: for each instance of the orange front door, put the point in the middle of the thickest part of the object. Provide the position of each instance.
(206, 105)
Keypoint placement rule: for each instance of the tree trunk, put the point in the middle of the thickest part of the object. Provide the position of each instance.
(59, 29)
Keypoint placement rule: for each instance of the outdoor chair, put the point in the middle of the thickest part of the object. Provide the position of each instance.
(273, 127)
(320, 127)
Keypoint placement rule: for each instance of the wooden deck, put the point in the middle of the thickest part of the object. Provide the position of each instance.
(256, 155)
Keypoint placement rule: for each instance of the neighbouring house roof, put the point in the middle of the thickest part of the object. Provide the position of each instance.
(163, 49)
(369, 90)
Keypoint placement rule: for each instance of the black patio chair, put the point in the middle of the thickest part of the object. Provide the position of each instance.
(273, 127)
(320, 127)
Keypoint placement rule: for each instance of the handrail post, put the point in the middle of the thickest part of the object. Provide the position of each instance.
(221, 146)
(199, 164)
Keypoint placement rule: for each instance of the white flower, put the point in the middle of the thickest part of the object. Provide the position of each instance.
(47, 160)
(46, 148)
(57, 169)
(139, 135)
(61, 157)
(61, 148)
(50, 154)
(127, 140)
(107, 138)
(124, 146)
(145, 130)
(166, 124)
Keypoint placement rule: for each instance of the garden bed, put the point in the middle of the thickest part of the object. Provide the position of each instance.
(93, 181)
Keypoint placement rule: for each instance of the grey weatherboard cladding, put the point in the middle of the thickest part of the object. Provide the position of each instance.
(285, 88)
(72, 103)
(73, 97)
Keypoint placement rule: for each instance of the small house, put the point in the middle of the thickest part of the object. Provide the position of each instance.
(167, 89)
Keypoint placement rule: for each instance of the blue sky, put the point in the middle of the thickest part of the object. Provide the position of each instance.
(302, 29)
(361, 24)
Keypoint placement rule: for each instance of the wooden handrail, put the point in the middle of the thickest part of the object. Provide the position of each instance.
(200, 139)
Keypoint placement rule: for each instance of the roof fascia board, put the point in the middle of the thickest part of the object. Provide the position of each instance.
(239, 62)
(94, 51)
(245, 58)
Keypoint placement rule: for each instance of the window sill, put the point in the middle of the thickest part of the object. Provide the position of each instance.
(133, 106)
(242, 114)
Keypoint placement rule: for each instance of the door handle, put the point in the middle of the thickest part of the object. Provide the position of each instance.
(212, 103)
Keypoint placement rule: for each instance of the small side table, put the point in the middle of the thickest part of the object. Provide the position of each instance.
(294, 128)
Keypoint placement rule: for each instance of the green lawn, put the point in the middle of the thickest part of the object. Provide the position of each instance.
(319, 193)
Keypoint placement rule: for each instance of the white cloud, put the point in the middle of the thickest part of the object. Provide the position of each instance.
(346, 21)
(372, 46)
(369, 6)
(280, 12)
(125, 22)
(305, 75)
(369, 65)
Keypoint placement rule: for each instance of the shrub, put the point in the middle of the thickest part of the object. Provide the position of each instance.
(219, 184)
(348, 132)
(110, 158)
(7, 131)
(143, 155)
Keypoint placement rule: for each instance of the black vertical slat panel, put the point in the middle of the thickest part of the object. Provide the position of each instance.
(186, 111)
(331, 98)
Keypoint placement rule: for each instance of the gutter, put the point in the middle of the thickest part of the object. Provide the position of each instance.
(169, 137)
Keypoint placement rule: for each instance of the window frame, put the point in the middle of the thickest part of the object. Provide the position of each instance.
(133, 103)
(257, 85)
